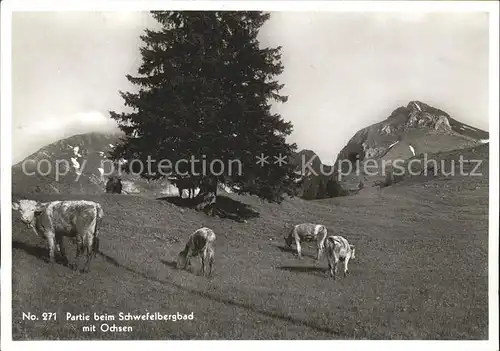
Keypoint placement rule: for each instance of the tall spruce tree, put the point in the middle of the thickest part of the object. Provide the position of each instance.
(204, 91)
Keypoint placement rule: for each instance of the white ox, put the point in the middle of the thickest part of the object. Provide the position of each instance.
(201, 242)
(54, 220)
(307, 232)
(338, 249)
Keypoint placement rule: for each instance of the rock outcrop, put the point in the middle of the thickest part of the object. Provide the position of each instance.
(410, 131)
(415, 121)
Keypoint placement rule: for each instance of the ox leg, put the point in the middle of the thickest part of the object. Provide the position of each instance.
(299, 249)
(332, 265)
(86, 248)
(203, 265)
(320, 250)
(211, 259)
(208, 262)
(88, 252)
(51, 245)
(187, 262)
(346, 270)
(83, 252)
(322, 246)
(95, 246)
(86, 268)
(204, 260)
(62, 249)
(79, 251)
(186, 253)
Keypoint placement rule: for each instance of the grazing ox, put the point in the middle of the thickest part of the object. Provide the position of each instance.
(188, 184)
(307, 232)
(201, 242)
(54, 220)
(114, 185)
(338, 248)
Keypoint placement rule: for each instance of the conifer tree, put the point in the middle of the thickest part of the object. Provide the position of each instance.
(205, 89)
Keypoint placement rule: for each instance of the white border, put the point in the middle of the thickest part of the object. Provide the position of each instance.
(8, 6)
(5, 176)
(280, 5)
(494, 177)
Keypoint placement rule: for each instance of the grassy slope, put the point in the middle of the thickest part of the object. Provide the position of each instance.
(420, 272)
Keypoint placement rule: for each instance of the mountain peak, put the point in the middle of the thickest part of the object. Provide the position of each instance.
(416, 115)
(419, 106)
(417, 127)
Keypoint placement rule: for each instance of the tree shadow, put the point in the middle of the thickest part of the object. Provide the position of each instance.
(224, 207)
(177, 201)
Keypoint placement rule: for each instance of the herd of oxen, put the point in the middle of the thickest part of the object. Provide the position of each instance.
(81, 219)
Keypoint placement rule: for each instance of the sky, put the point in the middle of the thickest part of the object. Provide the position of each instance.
(343, 71)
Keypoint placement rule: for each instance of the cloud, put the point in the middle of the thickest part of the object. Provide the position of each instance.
(36, 134)
(91, 121)
(68, 68)
(343, 71)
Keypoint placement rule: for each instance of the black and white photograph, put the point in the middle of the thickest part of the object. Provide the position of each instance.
(247, 172)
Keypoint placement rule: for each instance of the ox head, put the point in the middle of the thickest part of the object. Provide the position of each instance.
(353, 251)
(287, 234)
(28, 209)
(181, 260)
(288, 239)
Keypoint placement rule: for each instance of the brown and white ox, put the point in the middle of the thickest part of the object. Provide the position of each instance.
(201, 243)
(78, 219)
(338, 249)
(307, 232)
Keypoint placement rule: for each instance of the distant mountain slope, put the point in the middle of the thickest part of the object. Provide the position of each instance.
(408, 132)
(419, 126)
(67, 166)
(83, 168)
(317, 178)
